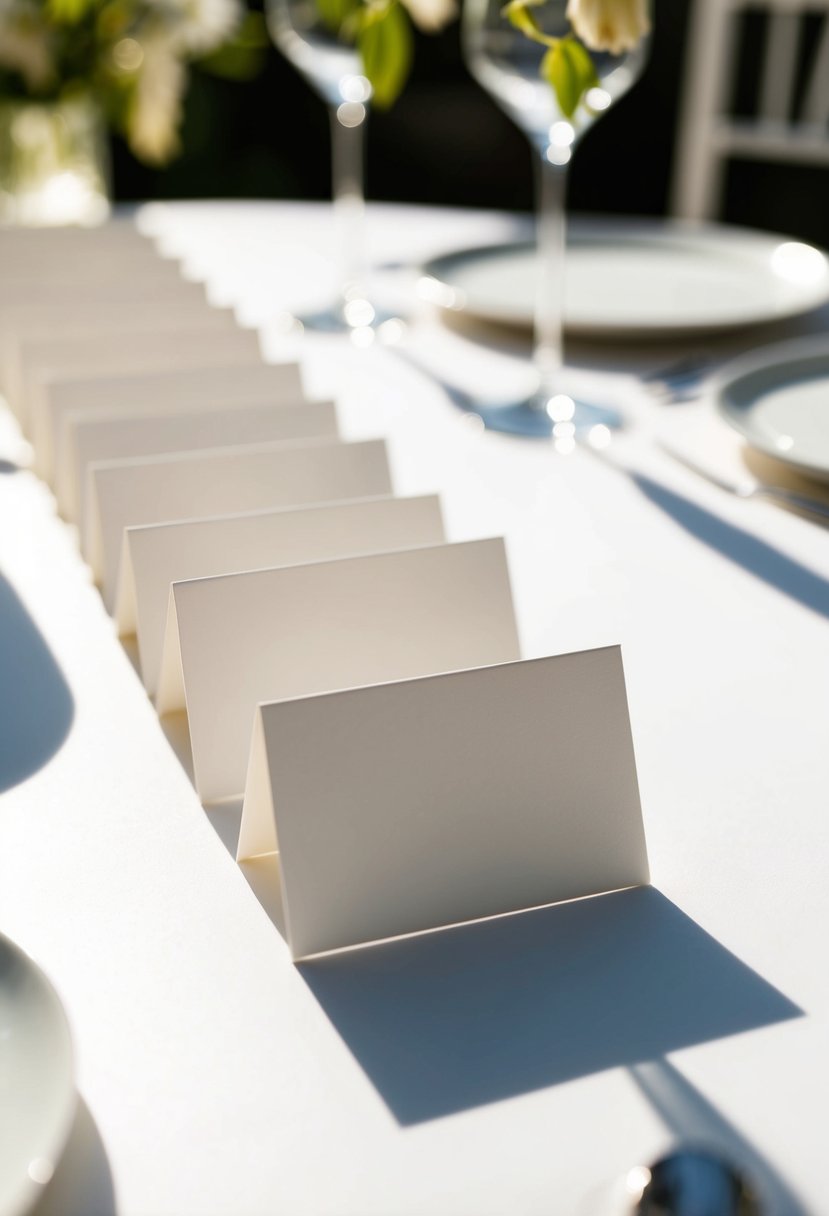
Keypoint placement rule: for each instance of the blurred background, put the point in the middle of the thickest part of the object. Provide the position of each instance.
(445, 142)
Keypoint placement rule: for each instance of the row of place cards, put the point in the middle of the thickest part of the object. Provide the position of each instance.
(351, 674)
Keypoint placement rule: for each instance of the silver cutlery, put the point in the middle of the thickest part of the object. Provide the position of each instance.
(691, 1182)
(749, 487)
(681, 380)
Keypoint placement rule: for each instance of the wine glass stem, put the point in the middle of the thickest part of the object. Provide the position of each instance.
(347, 147)
(548, 353)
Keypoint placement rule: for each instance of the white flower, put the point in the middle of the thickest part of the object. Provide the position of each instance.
(197, 27)
(431, 15)
(27, 51)
(609, 25)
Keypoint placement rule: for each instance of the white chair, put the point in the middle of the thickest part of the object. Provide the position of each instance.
(790, 115)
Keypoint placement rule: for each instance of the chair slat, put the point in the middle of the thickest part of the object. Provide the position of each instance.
(815, 109)
(779, 66)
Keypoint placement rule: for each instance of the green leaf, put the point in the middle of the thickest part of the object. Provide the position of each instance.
(336, 13)
(69, 12)
(385, 43)
(243, 56)
(570, 70)
(518, 13)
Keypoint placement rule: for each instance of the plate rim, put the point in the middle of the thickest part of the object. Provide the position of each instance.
(28, 1192)
(655, 230)
(778, 355)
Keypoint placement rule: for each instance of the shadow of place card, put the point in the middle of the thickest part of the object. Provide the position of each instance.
(410, 806)
(95, 436)
(74, 358)
(155, 557)
(236, 641)
(484, 1011)
(161, 489)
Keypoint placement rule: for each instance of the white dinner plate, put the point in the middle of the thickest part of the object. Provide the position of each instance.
(778, 399)
(37, 1089)
(640, 278)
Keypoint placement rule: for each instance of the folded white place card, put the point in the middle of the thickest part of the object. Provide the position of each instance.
(410, 806)
(245, 382)
(96, 435)
(32, 243)
(159, 489)
(155, 557)
(133, 352)
(36, 292)
(88, 275)
(48, 330)
(18, 321)
(233, 642)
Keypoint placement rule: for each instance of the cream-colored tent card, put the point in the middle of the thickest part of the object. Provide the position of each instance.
(93, 267)
(18, 321)
(248, 381)
(96, 436)
(193, 485)
(103, 322)
(135, 352)
(410, 806)
(272, 634)
(118, 232)
(47, 247)
(243, 382)
(113, 291)
(157, 556)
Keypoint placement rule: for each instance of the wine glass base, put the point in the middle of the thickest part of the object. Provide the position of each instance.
(345, 318)
(534, 418)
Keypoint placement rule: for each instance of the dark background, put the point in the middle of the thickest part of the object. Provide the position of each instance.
(445, 142)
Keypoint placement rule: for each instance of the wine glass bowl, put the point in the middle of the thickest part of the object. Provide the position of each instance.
(331, 65)
(507, 64)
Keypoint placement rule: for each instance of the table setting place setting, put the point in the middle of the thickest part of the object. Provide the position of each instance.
(414, 677)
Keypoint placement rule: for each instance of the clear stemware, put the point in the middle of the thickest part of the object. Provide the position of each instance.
(332, 67)
(507, 62)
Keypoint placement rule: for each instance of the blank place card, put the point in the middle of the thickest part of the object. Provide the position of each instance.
(233, 386)
(410, 806)
(97, 435)
(19, 322)
(233, 642)
(22, 289)
(161, 489)
(49, 340)
(67, 359)
(155, 557)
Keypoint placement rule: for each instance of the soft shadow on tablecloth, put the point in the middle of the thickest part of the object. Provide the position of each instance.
(36, 706)
(451, 1020)
(82, 1183)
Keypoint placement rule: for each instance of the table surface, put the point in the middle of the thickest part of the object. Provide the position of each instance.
(514, 1066)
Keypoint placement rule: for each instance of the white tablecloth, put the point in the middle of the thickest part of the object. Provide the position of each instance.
(515, 1066)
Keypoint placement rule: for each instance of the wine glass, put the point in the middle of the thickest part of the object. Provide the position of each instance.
(332, 66)
(507, 62)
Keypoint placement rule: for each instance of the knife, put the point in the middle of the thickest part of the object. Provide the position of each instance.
(750, 487)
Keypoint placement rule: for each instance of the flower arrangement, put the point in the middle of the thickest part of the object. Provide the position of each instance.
(612, 26)
(130, 56)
